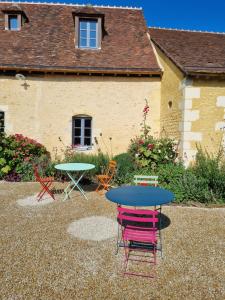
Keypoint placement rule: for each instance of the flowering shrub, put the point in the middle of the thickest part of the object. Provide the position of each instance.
(148, 151)
(151, 152)
(15, 152)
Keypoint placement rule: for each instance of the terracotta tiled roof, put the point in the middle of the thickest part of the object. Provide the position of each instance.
(192, 51)
(46, 41)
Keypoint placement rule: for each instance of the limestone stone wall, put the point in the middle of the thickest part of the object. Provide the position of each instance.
(197, 114)
(43, 110)
(211, 110)
(171, 95)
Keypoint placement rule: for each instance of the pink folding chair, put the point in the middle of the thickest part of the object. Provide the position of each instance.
(139, 234)
(152, 180)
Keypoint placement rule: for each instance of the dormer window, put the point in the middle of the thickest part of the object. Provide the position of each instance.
(88, 33)
(13, 22)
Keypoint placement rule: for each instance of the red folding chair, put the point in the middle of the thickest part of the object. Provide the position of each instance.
(139, 234)
(45, 182)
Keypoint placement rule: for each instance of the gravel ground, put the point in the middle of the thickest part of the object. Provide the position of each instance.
(41, 260)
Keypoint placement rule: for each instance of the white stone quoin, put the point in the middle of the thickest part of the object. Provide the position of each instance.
(185, 126)
(220, 101)
(186, 145)
(191, 115)
(192, 136)
(220, 126)
(191, 92)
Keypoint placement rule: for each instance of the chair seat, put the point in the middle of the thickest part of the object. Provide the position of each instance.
(143, 235)
(46, 179)
(103, 176)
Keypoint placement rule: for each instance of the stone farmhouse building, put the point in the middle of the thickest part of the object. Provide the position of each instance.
(74, 74)
(192, 88)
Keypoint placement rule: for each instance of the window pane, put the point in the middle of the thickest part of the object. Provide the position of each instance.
(87, 142)
(87, 122)
(2, 121)
(87, 132)
(93, 24)
(13, 22)
(83, 24)
(83, 42)
(93, 34)
(77, 132)
(93, 43)
(83, 34)
(76, 141)
(77, 122)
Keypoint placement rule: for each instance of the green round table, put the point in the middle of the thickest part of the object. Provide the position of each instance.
(71, 169)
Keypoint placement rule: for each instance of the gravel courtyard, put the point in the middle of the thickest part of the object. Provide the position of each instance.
(52, 251)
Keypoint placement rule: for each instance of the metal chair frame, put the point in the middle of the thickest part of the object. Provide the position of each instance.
(45, 182)
(104, 180)
(145, 180)
(139, 234)
(151, 180)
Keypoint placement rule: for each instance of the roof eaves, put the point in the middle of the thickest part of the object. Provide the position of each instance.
(204, 72)
(144, 71)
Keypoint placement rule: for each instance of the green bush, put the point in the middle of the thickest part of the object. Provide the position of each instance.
(183, 183)
(44, 164)
(212, 169)
(170, 177)
(203, 182)
(100, 161)
(16, 152)
(125, 167)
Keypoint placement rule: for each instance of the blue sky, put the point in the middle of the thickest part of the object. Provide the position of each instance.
(206, 15)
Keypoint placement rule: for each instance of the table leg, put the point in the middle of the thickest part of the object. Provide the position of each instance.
(74, 183)
(65, 191)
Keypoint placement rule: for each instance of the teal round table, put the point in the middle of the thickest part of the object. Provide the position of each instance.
(71, 169)
(136, 195)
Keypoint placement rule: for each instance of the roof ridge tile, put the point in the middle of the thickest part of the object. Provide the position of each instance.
(186, 30)
(72, 4)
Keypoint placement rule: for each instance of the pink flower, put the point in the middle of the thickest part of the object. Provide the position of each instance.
(146, 109)
(150, 146)
(140, 142)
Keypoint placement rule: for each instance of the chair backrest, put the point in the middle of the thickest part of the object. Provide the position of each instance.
(146, 180)
(138, 216)
(112, 168)
(36, 173)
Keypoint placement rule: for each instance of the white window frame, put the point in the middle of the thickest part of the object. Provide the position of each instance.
(82, 146)
(19, 20)
(98, 33)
